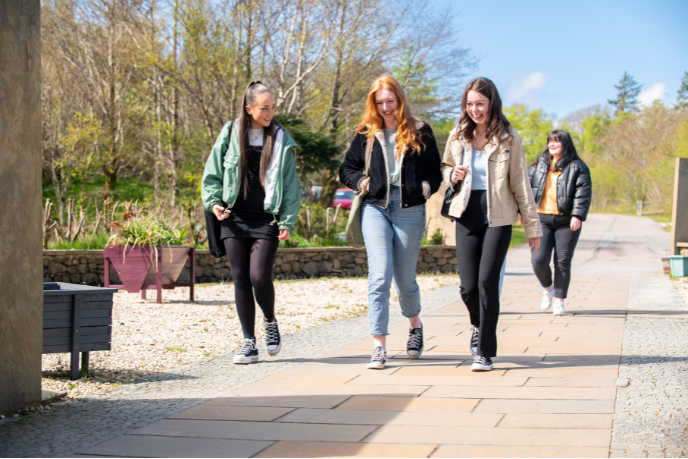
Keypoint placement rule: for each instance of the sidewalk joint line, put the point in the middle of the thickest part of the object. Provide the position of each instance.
(288, 412)
(500, 421)
(274, 442)
(368, 434)
(476, 405)
(426, 389)
(342, 402)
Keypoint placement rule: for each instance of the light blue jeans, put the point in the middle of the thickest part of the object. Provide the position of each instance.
(392, 238)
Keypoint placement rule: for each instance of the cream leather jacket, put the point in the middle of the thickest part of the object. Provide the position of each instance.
(508, 186)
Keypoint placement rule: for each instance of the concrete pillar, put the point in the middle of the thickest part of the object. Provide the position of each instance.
(679, 220)
(21, 263)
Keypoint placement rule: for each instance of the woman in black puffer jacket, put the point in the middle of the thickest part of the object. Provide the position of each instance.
(403, 172)
(563, 190)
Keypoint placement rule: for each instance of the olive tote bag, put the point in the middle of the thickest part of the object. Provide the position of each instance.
(354, 233)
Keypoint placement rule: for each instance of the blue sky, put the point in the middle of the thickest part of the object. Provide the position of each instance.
(566, 56)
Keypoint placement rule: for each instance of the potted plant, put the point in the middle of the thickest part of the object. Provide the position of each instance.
(147, 253)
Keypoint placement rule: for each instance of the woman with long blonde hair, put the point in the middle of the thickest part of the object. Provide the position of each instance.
(403, 172)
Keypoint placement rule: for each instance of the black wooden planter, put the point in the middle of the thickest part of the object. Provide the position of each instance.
(76, 318)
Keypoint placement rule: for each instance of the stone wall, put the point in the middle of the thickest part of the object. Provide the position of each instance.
(86, 266)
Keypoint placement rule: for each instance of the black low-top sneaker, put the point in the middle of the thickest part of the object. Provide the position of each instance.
(475, 334)
(481, 363)
(378, 360)
(273, 340)
(248, 353)
(414, 345)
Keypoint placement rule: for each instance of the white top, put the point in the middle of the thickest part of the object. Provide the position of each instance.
(479, 166)
(394, 166)
(255, 137)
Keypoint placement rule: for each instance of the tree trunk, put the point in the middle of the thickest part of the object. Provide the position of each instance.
(335, 102)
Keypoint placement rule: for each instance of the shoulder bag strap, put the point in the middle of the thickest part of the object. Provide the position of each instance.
(368, 155)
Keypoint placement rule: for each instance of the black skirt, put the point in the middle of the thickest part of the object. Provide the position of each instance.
(248, 218)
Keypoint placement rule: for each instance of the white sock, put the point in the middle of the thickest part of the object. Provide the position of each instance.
(419, 326)
(550, 288)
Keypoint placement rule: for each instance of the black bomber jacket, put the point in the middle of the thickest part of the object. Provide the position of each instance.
(574, 186)
(416, 168)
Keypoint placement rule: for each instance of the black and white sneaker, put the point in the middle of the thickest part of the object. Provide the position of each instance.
(273, 340)
(414, 345)
(475, 334)
(248, 353)
(481, 363)
(378, 360)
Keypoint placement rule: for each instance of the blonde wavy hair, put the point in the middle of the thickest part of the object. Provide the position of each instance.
(408, 136)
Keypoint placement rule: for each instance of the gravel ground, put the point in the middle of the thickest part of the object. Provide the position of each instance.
(75, 425)
(150, 338)
(651, 413)
(681, 284)
(650, 289)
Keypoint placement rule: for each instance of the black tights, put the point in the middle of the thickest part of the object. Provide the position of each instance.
(251, 262)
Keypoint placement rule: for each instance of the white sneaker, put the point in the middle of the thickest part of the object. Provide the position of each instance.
(378, 360)
(547, 296)
(558, 308)
(248, 353)
(481, 363)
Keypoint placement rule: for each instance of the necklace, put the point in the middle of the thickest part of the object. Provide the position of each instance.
(255, 137)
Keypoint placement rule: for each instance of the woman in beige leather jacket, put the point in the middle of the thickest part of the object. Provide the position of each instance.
(495, 187)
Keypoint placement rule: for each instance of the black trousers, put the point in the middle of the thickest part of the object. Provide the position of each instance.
(558, 237)
(251, 261)
(481, 251)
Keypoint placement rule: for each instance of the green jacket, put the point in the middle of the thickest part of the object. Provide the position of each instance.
(222, 178)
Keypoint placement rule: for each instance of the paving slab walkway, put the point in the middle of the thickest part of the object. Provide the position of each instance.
(553, 392)
(609, 378)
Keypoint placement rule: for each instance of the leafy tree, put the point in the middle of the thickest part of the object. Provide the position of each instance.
(317, 152)
(592, 126)
(682, 99)
(413, 74)
(638, 159)
(533, 127)
(627, 95)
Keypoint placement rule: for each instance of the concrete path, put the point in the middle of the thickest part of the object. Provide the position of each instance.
(553, 392)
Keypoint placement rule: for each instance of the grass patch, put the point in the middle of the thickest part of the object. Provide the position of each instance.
(518, 235)
(175, 349)
(96, 242)
(663, 219)
(295, 240)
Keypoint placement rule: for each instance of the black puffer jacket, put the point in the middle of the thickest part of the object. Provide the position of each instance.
(415, 169)
(574, 186)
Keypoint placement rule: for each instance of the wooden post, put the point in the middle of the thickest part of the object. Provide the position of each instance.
(158, 277)
(106, 268)
(76, 324)
(84, 361)
(192, 273)
(679, 217)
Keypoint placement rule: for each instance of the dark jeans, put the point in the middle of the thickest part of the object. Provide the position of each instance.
(481, 251)
(557, 236)
(251, 262)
